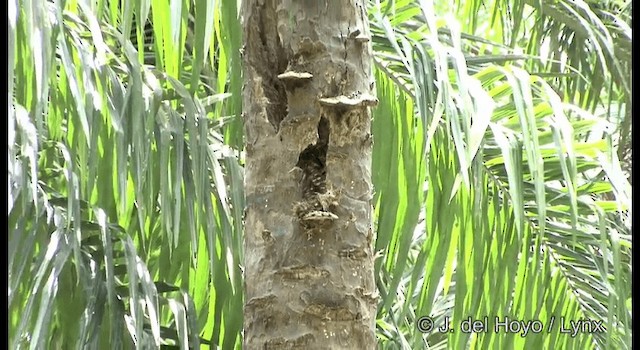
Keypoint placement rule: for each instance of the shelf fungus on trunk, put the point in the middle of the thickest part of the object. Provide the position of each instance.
(356, 100)
(293, 79)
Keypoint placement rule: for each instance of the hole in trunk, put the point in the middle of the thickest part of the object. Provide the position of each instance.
(312, 161)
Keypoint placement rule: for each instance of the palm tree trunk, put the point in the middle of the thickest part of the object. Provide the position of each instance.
(308, 235)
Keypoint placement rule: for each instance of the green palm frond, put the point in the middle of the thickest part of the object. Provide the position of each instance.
(496, 127)
(125, 194)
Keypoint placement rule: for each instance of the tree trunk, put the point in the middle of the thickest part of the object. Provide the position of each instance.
(308, 237)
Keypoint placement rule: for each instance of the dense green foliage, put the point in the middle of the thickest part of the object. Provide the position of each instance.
(500, 166)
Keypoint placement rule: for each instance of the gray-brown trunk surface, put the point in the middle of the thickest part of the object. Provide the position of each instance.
(308, 238)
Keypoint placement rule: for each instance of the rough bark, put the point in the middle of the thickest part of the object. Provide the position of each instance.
(308, 231)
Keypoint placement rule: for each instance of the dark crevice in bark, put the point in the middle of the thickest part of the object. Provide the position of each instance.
(316, 208)
(272, 60)
(312, 161)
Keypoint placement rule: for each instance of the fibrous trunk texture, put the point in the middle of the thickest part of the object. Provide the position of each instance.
(308, 238)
